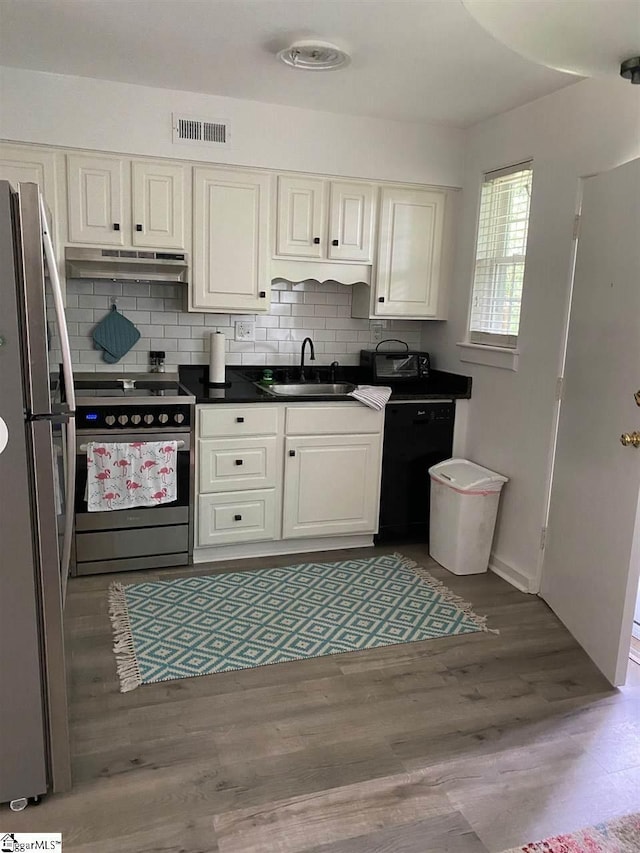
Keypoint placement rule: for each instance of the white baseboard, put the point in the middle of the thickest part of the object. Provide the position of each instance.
(281, 546)
(516, 578)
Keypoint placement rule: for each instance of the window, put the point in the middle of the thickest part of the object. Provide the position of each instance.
(500, 256)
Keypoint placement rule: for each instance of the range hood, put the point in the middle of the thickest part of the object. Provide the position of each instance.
(126, 264)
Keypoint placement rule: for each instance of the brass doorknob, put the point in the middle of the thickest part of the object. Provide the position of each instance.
(630, 438)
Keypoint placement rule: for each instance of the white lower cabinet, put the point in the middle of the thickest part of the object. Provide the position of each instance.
(331, 485)
(313, 472)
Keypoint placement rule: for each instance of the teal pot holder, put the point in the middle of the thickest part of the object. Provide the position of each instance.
(115, 335)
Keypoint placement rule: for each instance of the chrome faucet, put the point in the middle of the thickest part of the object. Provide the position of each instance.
(306, 341)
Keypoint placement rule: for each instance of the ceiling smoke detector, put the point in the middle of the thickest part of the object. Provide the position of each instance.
(312, 55)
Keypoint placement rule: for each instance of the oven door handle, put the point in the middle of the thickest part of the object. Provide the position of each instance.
(82, 448)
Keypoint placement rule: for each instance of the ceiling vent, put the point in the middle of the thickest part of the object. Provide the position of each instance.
(200, 131)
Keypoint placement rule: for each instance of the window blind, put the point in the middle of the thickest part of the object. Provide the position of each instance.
(500, 256)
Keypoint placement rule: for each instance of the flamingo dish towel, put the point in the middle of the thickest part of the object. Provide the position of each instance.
(122, 475)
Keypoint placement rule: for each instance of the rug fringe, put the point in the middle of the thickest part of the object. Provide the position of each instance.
(447, 595)
(123, 648)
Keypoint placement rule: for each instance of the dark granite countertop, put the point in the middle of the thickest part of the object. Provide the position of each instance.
(439, 386)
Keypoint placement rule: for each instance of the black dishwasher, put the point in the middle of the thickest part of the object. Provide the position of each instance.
(416, 436)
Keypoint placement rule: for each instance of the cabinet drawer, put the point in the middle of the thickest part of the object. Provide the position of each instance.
(225, 420)
(236, 517)
(231, 464)
(333, 420)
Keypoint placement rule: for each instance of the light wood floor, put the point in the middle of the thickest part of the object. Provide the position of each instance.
(463, 744)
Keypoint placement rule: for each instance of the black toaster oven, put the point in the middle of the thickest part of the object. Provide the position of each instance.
(395, 365)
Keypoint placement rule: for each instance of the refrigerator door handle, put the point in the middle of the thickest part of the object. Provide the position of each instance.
(58, 302)
(67, 372)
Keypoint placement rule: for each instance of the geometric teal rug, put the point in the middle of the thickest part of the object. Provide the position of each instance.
(201, 625)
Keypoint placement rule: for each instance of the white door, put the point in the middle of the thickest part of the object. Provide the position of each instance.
(97, 204)
(409, 252)
(331, 485)
(158, 205)
(230, 241)
(592, 560)
(351, 221)
(302, 217)
(19, 163)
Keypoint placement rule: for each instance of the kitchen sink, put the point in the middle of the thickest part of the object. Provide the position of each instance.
(308, 389)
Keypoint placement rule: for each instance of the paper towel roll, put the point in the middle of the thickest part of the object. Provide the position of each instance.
(216, 358)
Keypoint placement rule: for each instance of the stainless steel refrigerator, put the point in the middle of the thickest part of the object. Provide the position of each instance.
(37, 458)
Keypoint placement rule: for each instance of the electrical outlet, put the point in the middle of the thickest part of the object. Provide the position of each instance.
(245, 330)
(377, 330)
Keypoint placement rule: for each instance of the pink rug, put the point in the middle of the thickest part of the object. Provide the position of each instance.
(614, 836)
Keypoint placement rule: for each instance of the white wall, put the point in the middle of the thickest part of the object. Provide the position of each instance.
(79, 112)
(586, 128)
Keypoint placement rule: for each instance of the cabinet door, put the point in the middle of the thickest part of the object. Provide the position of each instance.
(409, 252)
(30, 164)
(331, 485)
(97, 203)
(302, 217)
(158, 205)
(230, 241)
(351, 221)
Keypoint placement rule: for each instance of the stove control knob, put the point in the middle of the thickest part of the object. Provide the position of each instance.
(179, 418)
(110, 420)
(123, 419)
(135, 419)
(148, 419)
(163, 418)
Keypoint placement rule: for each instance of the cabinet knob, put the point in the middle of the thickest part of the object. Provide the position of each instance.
(116, 226)
(237, 518)
(239, 420)
(292, 453)
(138, 227)
(263, 294)
(380, 298)
(335, 242)
(239, 462)
(316, 240)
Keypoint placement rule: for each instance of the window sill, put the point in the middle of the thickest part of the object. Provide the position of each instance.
(501, 357)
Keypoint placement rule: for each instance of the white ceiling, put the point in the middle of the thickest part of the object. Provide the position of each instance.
(415, 60)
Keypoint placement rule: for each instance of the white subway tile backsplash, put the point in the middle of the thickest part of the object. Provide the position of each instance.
(306, 309)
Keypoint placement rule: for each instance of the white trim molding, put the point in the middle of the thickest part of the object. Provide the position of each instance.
(280, 546)
(513, 576)
(502, 357)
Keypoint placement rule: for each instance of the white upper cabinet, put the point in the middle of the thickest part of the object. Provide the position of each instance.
(351, 222)
(231, 247)
(410, 253)
(302, 214)
(158, 204)
(20, 163)
(98, 200)
(104, 192)
(319, 219)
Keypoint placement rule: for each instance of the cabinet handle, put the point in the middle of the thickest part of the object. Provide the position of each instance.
(237, 518)
(335, 242)
(380, 298)
(316, 240)
(263, 294)
(239, 462)
(138, 227)
(116, 226)
(239, 420)
(292, 453)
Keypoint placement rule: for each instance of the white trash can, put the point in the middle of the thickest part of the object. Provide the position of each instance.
(464, 505)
